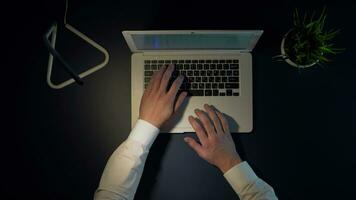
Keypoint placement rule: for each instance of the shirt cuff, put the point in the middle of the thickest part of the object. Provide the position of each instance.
(240, 176)
(144, 133)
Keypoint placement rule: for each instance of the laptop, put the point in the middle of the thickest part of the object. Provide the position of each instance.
(217, 66)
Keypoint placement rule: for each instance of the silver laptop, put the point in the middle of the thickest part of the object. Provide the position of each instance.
(217, 66)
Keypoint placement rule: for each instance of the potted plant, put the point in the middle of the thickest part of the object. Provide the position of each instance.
(307, 43)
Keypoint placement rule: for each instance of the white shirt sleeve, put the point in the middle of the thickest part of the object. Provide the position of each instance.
(124, 169)
(247, 185)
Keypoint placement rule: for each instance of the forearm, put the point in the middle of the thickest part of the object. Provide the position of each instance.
(124, 169)
(247, 185)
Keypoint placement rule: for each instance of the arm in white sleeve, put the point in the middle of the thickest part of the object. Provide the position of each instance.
(124, 169)
(247, 185)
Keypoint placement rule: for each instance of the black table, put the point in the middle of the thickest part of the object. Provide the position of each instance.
(57, 142)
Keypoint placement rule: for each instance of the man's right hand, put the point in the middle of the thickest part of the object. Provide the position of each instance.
(217, 146)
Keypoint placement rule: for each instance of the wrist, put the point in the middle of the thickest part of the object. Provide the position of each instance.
(229, 163)
(152, 122)
(144, 132)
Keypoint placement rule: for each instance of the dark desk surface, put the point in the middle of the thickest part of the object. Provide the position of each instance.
(303, 142)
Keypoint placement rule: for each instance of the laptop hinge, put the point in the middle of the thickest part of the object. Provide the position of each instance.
(187, 52)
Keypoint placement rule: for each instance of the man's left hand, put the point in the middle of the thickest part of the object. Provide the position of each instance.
(158, 104)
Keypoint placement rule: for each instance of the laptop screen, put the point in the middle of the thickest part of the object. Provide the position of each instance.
(238, 40)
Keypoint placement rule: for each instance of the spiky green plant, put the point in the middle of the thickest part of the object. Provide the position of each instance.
(308, 42)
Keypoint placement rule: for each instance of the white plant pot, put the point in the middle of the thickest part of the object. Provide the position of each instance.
(290, 62)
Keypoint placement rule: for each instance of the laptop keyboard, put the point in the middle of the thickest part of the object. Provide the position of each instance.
(202, 77)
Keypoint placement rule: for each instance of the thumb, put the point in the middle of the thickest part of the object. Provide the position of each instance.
(193, 144)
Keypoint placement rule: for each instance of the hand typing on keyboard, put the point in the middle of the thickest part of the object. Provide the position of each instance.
(158, 102)
(216, 145)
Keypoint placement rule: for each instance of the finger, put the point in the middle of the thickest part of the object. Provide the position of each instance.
(198, 129)
(204, 118)
(224, 122)
(175, 87)
(194, 145)
(180, 100)
(212, 114)
(165, 78)
(150, 84)
(156, 79)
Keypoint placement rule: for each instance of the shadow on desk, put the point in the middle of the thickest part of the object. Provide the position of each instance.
(149, 177)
